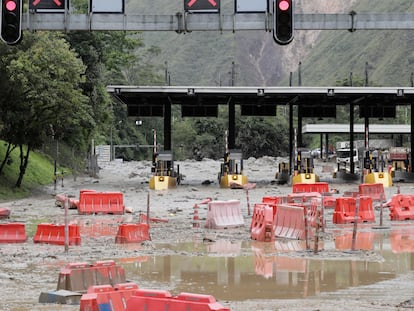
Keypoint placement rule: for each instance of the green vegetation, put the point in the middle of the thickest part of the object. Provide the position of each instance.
(39, 172)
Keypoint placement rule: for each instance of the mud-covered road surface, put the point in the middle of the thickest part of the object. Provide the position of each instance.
(241, 274)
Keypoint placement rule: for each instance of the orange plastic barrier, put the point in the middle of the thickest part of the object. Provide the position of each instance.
(290, 222)
(4, 212)
(78, 277)
(345, 210)
(274, 201)
(363, 240)
(315, 206)
(55, 234)
(60, 200)
(366, 209)
(402, 207)
(146, 299)
(106, 297)
(262, 227)
(375, 191)
(224, 214)
(321, 187)
(132, 233)
(92, 202)
(329, 201)
(13, 233)
(302, 197)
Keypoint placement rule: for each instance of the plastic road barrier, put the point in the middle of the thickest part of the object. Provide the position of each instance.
(13, 233)
(345, 210)
(290, 222)
(4, 212)
(92, 202)
(55, 234)
(402, 207)
(262, 227)
(224, 214)
(375, 191)
(146, 299)
(78, 277)
(132, 233)
(321, 187)
(106, 297)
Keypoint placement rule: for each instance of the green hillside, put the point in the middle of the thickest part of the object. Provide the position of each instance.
(39, 172)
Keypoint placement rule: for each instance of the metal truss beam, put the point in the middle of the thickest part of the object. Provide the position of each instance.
(184, 22)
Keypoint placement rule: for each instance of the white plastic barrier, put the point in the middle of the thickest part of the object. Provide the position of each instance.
(224, 214)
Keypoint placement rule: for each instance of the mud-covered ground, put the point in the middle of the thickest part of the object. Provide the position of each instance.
(27, 269)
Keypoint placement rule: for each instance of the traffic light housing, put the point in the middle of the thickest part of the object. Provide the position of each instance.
(283, 21)
(11, 18)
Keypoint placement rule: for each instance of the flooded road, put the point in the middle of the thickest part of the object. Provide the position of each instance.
(284, 270)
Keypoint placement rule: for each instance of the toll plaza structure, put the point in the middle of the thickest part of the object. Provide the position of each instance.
(318, 103)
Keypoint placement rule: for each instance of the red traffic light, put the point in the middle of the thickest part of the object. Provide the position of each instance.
(10, 5)
(284, 5)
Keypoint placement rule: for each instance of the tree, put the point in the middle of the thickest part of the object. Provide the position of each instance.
(46, 99)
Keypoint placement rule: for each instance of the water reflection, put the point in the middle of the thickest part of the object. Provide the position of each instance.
(270, 270)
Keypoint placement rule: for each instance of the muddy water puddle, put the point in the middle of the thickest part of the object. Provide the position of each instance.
(282, 270)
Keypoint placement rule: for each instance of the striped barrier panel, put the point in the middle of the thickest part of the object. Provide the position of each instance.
(92, 202)
(132, 233)
(78, 277)
(13, 233)
(262, 226)
(55, 234)
(402, 207)
(290, 222)
(106, 297)
(224, 214)
(146, 299)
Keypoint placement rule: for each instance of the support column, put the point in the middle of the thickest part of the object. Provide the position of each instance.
(351, 136)
(232, 125)
(291, 138)
(167, 126)
(412, 138)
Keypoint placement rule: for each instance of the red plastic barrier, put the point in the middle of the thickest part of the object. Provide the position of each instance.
(366, 209)
(55, 234)
(13, 233)
(290, 222)
(132, 233)
(402, 207)
(144, 299)
(302, 197)
(262, 228)
(224, 214)
(329, 202)
(106, 297)
(375, 191)
(320, 187)
(315, 206)
(92, 202)
(4, 212)
(78, 277)
(345, 209)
